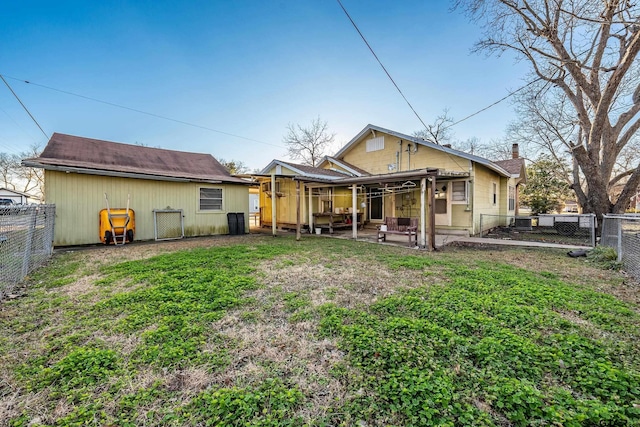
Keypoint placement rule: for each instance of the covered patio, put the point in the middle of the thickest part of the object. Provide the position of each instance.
(364, 192)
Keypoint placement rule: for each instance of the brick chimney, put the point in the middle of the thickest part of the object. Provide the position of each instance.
(515, 151)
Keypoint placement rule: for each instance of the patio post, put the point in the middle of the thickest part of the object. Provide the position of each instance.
(297, 210)
(423, 213)
(354, 211)
(274, 216)
(432, 215)
(310, 209)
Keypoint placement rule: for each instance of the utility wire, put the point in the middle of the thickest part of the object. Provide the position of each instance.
(25, 107)
(510, 94)
(380, 62)
(141, 111)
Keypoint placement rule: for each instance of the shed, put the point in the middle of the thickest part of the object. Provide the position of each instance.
(16, 197)
(79, 171)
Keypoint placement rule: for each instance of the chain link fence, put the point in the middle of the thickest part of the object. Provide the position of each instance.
(622, 233)
(168, 224)
(26, 242)
(579, 230)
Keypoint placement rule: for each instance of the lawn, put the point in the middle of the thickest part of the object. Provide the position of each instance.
(257, 331)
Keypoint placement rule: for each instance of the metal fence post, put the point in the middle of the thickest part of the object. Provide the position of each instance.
(481, 215)
(26, 259)
(593, 231)
(619, 223)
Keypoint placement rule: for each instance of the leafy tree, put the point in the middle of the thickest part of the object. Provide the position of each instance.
(586, 51)
(546, 188)
(308, 144)
(234, 166)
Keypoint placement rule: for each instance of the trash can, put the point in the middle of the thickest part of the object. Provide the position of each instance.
(232, 221)
(240, 221)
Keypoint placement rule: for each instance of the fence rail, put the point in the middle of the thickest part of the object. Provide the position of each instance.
(622, 232)
(26, 242)
(566, 229)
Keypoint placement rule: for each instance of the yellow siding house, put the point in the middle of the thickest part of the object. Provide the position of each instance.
(387, 169)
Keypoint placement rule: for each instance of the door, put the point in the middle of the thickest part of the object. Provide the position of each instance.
(376, 211)
(443, 204)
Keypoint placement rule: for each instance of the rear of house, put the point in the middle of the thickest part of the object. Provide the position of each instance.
(79, 171)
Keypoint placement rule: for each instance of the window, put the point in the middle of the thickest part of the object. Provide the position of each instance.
(495, 193)
(375, 144)
(512, 198)
(459, 191)
(211, 199)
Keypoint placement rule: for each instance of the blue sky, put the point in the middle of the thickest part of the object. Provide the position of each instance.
(243, 67)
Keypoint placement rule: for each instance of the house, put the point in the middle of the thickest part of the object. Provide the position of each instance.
(13, 197)
(79, 171)
(383, 173)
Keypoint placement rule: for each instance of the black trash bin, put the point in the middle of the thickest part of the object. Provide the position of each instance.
(240, 221)
(232, 220)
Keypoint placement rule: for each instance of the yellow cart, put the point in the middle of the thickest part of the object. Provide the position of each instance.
(117, 225)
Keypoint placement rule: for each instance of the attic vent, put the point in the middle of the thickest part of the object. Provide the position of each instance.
(375, 144)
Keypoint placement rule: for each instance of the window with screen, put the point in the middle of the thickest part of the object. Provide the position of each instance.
(495, 193)
(459, 191)
(375, 144)
(211, 199)
(512, 198)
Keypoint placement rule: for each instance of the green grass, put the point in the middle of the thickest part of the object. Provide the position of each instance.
(462, 337)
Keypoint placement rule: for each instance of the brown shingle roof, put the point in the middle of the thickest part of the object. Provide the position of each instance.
(513, 166)
(86, 153)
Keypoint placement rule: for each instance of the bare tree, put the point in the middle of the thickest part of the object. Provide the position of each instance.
(439, 132)
(588, 50)
(16, 177)
(308, 144)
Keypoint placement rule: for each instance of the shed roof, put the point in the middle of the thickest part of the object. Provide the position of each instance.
(79, 154)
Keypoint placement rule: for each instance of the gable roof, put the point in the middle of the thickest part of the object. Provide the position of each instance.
(19, 193)
(97, 157)
(347, 166)
(367, 129)
(515, 167)
(304, 170)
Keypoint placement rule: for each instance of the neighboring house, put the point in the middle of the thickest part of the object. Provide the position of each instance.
(16, 197)
(383, 170)
(79, 171)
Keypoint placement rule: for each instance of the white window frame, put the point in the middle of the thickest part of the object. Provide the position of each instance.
(466, 193)
(375, 144)
(214, 208)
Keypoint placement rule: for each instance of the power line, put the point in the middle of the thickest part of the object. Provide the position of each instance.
(494, 103)
(112, 104)
(383, 67)
(25, 107)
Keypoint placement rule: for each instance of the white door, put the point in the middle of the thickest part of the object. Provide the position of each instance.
(443, 204)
